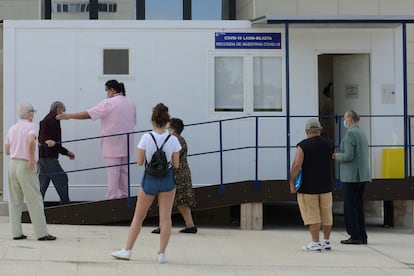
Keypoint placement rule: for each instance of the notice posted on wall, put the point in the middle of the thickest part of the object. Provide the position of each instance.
(388, 94)
(352, 91)
(248, 40)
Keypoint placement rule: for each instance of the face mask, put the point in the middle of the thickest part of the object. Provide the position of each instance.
(106, 95)
(345, 125)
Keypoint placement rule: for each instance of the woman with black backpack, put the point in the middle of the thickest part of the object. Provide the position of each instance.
(154, 185)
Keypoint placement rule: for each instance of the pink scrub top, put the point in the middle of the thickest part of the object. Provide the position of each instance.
(118, 115)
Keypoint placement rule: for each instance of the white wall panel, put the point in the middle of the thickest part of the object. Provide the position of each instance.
(398, 7)
(358, 7)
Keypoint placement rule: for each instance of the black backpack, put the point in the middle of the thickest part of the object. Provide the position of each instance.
(158, 165)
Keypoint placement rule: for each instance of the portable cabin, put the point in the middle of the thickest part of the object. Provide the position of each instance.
(243, 88)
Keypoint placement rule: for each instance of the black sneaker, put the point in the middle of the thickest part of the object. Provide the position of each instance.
(22, 237)
(47, 238)
(156, 231)
(191, 230)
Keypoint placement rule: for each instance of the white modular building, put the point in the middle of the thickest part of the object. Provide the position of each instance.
(244, 89)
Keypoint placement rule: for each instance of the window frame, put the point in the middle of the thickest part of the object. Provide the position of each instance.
(248, 82)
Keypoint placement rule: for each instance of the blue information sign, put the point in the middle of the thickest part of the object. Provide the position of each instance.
(248, 41)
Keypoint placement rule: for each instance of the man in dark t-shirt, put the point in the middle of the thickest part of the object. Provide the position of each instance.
(314, 158)
(50, 137)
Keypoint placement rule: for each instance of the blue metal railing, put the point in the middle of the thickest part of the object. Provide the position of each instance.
(257, 145)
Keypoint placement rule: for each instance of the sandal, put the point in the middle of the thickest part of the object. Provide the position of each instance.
(22, 237)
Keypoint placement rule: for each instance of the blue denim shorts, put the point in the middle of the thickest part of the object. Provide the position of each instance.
(152, 185)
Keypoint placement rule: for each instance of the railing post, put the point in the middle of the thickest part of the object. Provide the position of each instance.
(287, 101)
(410, 165)
(256, 184)
(129, 203)
(405, 96)
(338, 180)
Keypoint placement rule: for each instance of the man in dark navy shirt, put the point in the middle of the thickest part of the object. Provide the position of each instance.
(314, 158)
(50, 137)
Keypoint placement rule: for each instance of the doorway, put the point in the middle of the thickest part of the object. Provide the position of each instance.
(343, 84)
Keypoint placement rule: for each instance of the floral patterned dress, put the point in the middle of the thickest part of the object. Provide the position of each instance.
(182, 176)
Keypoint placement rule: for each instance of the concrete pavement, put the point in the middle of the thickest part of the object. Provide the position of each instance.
(85, 250)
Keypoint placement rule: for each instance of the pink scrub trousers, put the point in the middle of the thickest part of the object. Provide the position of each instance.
(117, 177)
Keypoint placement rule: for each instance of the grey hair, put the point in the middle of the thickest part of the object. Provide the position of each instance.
(313, 130)
(25, 109)
(353, 115)
(56, 105)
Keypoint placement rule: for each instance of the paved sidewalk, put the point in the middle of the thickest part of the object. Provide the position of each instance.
(85, 250)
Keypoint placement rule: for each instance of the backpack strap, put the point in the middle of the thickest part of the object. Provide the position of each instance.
(153, 138)
(155, 142)
(166, 139)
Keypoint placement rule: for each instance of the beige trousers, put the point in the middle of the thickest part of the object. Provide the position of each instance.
(24, 186)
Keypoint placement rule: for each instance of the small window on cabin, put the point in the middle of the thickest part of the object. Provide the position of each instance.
(116, 61)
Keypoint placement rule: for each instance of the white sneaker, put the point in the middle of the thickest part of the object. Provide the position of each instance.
(161, 258)
(312, 247)
(326, 244)
(122, 254)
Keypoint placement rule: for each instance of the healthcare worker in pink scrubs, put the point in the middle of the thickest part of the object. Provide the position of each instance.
(118, 115)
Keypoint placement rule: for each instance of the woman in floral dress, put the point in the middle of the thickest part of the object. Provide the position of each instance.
(184, 197)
